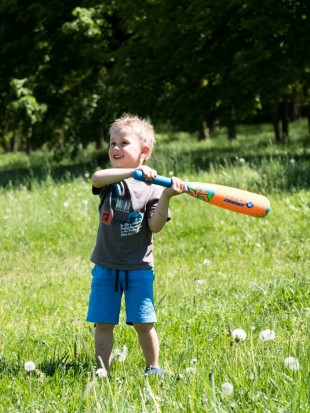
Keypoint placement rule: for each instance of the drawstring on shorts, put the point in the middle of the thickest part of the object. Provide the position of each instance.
(117, 280)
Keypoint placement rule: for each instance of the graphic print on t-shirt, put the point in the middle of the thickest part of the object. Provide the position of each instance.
(122, 205)
(133, 224)
(106, 217)
(130, 221)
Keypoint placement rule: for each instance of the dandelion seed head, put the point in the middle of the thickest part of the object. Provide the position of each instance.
(227, 389)
(101, 373)
(238, 335)
(267, 335)
(292, 363)
(41, 376)
(119, 381)
(120, 355)
(190, 370)
(241, 161)
(206, 262)
(66, 204)
(29, 366)
(200, 282)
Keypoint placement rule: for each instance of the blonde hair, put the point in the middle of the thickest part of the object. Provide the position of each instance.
(142, 129)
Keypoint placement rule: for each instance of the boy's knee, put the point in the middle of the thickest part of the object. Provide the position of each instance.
(104, 327)
(143, 328)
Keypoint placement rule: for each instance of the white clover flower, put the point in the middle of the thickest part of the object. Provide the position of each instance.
(120, 355)
(227, 389)
(101, 373)
(29, 366)
(66, 204)
(170, 173)
(292, 363)
(241, 161)
(267, 335)
(238, 335)
(85, 202)
(206, 262)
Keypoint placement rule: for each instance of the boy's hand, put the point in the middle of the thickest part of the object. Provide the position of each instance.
(148, 172)
(178, 187)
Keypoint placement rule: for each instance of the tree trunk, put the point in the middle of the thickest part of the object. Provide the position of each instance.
(232, 130)
(13, 143)
(275, 121)
(285, 121)
(28, 135)
(308, 117)
(216, 126)
(296, 108)
(99, 137)
(204, 132)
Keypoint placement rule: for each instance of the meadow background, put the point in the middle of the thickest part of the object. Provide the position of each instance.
(215, 271)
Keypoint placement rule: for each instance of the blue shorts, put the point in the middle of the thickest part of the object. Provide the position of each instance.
(106, 293)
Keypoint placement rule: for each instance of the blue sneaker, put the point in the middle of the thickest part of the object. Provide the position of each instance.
(150, 371)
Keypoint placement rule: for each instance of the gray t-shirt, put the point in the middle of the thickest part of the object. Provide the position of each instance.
(124, 239)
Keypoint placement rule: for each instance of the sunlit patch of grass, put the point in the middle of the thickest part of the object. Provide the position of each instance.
(216, 271)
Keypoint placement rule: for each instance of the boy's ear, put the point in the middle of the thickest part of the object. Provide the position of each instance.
(145, 151)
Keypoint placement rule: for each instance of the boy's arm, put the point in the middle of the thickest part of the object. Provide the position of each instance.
(160, 215)
(109, 176)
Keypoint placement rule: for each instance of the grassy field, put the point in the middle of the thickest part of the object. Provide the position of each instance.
(216, 271)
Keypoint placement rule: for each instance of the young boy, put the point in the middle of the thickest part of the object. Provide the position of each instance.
(130, 212)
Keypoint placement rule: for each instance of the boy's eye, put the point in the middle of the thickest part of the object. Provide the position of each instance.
(121, 143)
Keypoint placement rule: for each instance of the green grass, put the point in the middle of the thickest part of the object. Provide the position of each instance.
(257, 278)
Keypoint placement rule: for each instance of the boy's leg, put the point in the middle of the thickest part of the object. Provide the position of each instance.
(104, 340)
(149, 343)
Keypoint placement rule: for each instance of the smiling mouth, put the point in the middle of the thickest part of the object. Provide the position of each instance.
(117, 157)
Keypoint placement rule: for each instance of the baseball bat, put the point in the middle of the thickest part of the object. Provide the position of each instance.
(226, 197)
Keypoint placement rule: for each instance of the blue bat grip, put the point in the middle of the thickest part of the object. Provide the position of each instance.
(159, 180)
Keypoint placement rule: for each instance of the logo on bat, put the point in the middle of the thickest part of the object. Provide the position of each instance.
(201, 194)
(230, 201)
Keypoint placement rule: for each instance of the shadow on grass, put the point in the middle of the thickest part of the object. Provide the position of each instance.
(48, 367)
(294, 172)
(17, 175)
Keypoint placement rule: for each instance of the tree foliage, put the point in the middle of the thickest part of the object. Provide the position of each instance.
(66, 71)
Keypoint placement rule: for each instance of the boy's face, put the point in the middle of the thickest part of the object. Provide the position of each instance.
(125, 150)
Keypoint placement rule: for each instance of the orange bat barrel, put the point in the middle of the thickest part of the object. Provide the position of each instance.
(230, 198)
